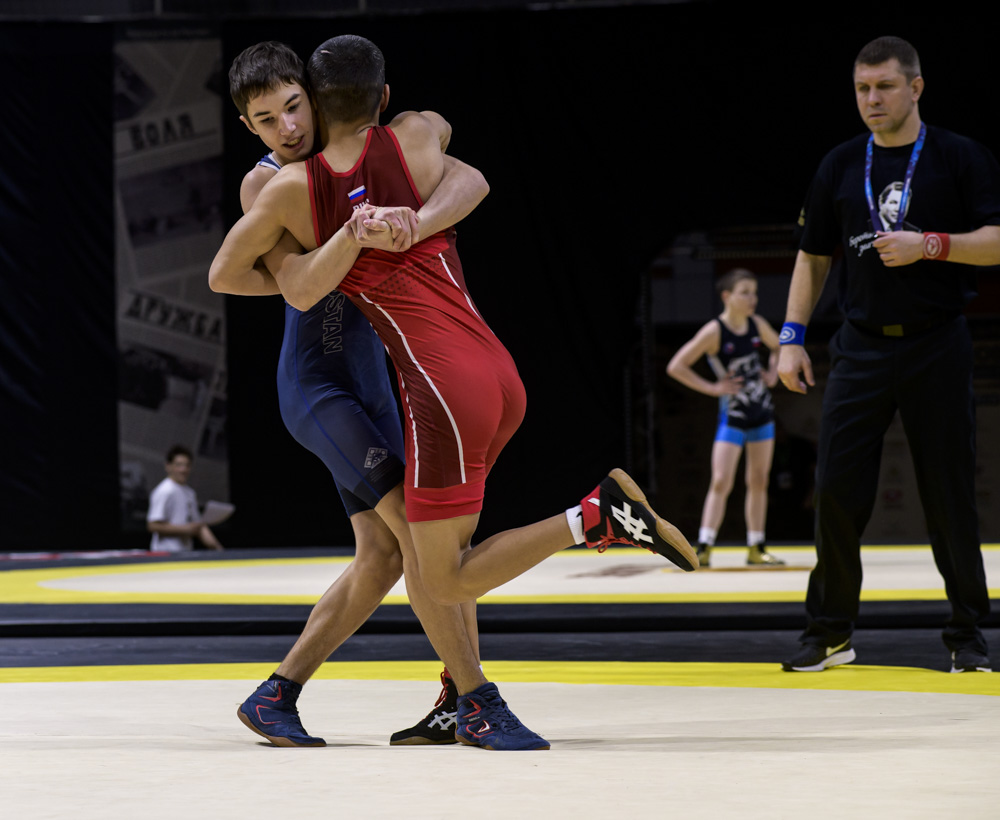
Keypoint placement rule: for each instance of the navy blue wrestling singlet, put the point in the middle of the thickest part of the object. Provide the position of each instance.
(337, 401)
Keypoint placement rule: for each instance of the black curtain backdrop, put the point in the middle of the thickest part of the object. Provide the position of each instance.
(603, 132)
(58, 378)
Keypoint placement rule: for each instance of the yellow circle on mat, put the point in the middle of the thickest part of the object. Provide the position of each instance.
(29, 586)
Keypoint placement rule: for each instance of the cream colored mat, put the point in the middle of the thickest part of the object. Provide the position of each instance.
(174, 749)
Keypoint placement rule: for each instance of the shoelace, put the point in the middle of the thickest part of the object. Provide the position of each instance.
(291, 712)
(608, 541)
(501, 714)
(288, 703)
(443, 697)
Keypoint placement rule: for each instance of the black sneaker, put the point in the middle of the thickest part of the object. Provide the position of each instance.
(814, 658)
(969, 660)
(438, 728)
(704, 552)
(616, 512)
(757, 555)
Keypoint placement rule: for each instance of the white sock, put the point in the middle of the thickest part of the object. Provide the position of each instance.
(706, 535)
(574, 517)
(755, 537)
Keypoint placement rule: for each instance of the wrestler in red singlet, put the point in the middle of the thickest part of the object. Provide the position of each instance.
(462, 396)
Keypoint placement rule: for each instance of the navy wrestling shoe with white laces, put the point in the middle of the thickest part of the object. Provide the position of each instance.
(485, 721)
(271, 713)
(617, 513)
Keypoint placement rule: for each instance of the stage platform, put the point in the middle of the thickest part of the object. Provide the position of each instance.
(660, 691)
(577, 590)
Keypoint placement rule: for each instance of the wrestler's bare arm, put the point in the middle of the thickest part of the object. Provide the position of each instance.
(255, 281)
(461, 190)
(455, 189)
(283, 204)
(420, 138)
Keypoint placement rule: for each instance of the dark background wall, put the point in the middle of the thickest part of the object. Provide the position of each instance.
(58, 379)
(605, 132)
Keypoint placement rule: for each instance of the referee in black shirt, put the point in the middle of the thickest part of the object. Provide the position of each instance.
(904, 345)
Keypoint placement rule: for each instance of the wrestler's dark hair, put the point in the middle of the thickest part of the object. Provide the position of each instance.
(347, 75)
(729, 280)
(261, 69)
(178, 450)
(883, 49)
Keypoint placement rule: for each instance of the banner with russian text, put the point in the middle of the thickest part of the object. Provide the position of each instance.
(168, 94)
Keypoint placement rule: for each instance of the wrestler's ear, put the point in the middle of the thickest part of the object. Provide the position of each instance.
(385, 99)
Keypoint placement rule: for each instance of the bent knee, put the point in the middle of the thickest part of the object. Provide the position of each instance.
(445, 589)
(382, 565)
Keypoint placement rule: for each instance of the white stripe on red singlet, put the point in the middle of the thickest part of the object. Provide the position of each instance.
(466, 295)
(413, 430)
(430, 382)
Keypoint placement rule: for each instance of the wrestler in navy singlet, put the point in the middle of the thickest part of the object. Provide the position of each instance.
(752, 407)
(336, 398)
(268, 161)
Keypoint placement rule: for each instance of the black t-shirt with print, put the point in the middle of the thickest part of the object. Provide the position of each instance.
(955, 189)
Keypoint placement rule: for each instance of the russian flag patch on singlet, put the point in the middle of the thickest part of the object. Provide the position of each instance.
(357, 193)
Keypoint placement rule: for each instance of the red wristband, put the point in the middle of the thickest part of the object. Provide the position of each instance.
(936, 246)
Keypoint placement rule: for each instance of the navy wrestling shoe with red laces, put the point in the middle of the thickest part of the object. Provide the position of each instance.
(271, 713)
(485, 721)
(617, 513)
(438, 728)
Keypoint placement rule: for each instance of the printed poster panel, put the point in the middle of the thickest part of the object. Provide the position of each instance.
(168, 89)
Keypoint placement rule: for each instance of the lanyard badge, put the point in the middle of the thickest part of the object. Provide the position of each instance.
(904, 198)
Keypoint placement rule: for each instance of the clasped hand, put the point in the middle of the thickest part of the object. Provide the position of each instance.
(389, 229)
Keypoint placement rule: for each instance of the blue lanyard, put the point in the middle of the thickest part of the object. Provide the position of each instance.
(911, 166)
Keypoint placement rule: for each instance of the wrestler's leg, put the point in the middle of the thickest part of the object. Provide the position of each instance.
(725, 460)
(350, 600)
(445, 625)
(760, 453)
(726, 452)
(453, 576)
(758, 471)
(272, 711)
(361, 453)
(483, 717)
(471, 626)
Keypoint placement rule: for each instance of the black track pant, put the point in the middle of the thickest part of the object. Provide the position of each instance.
(928, 379)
